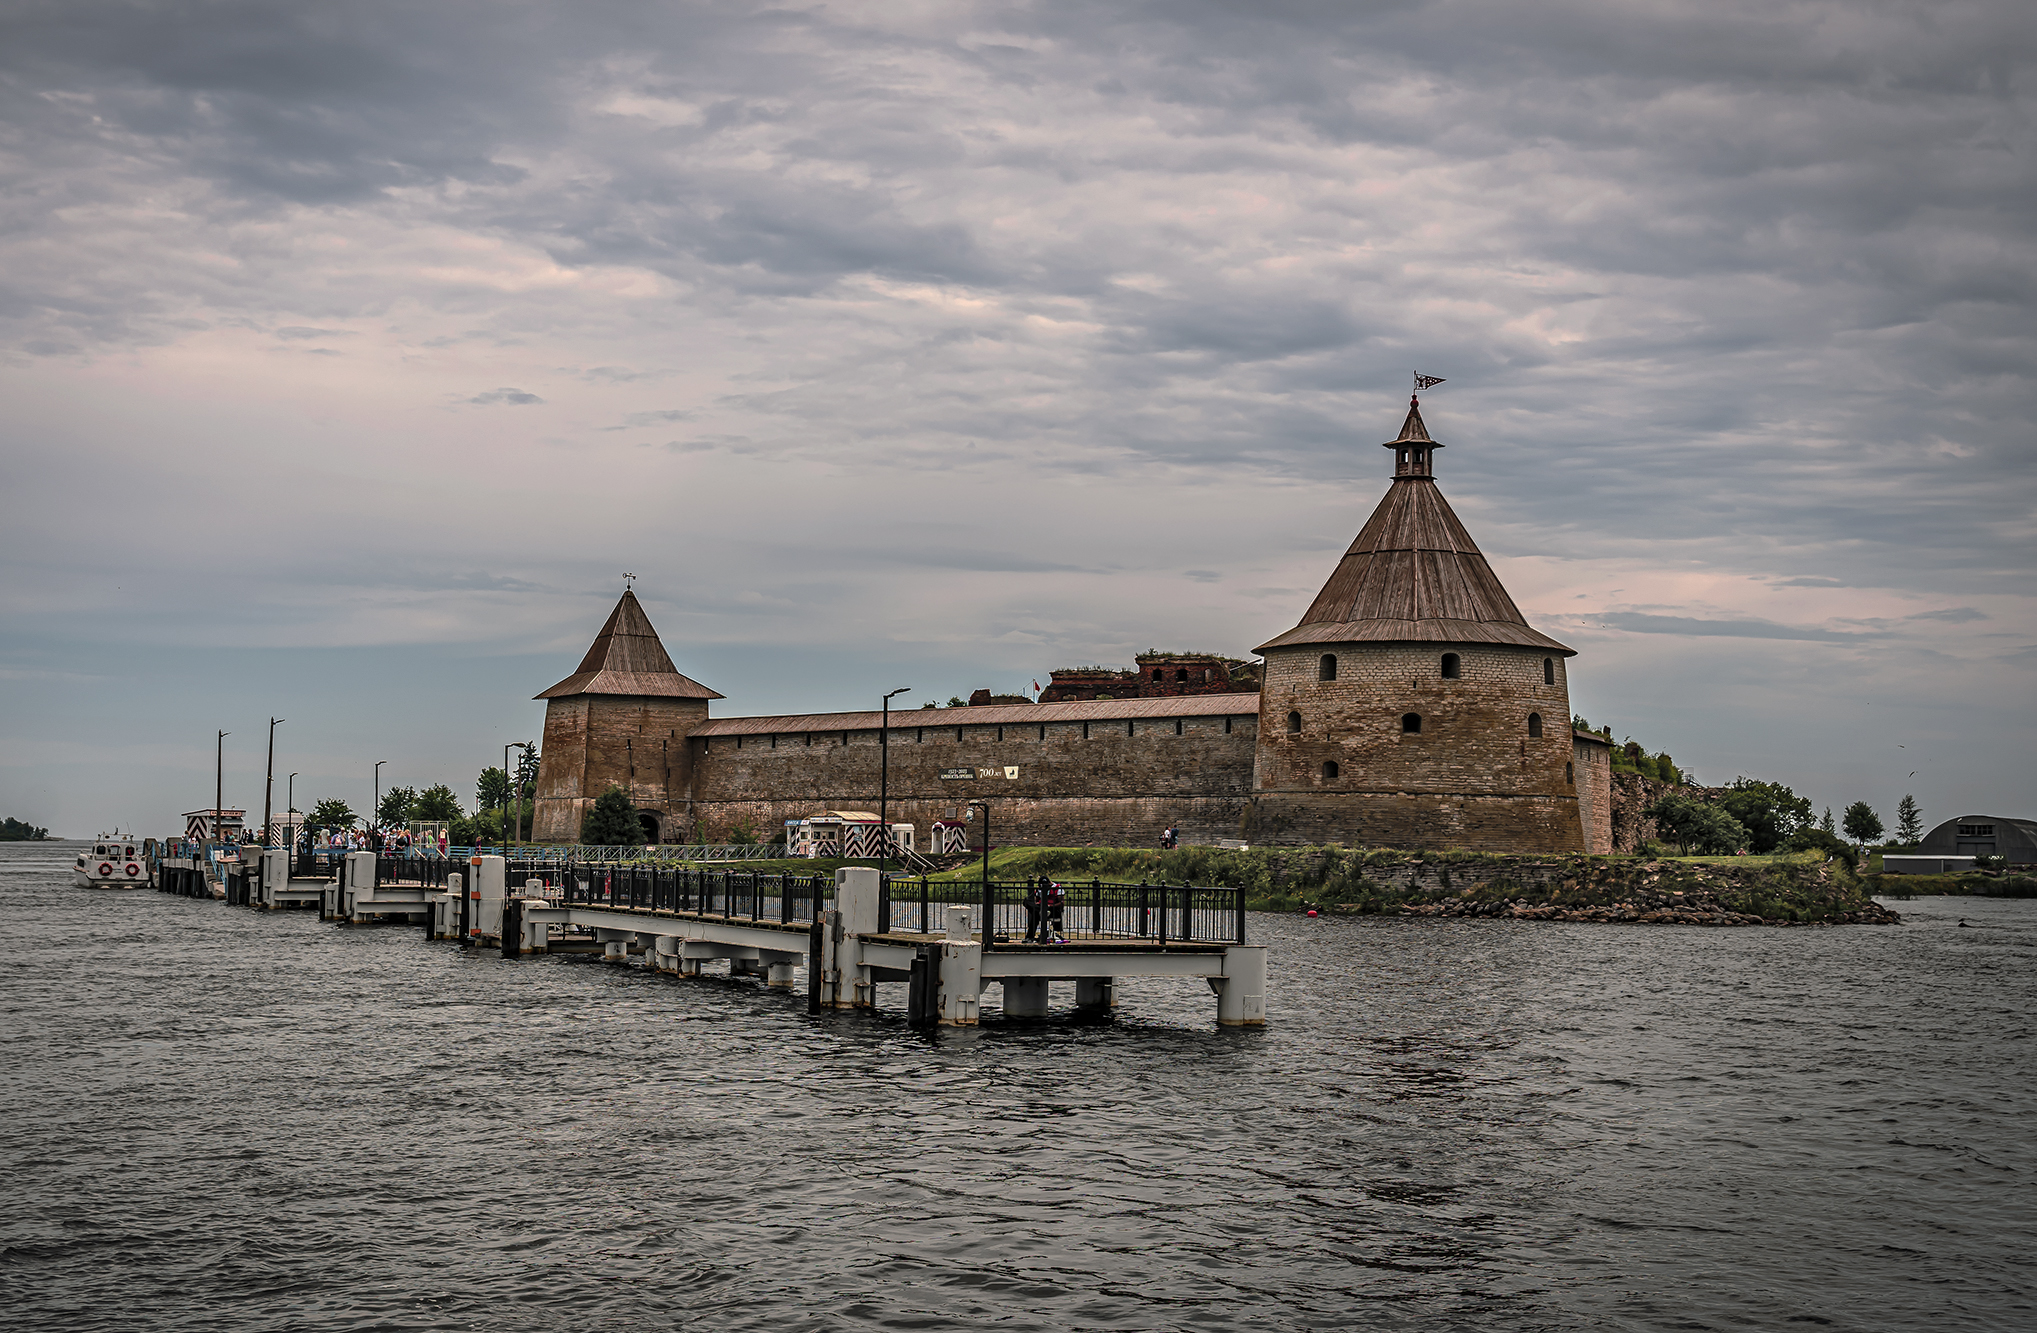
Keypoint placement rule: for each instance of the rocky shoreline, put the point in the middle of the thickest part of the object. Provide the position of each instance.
(1675, 910)
(1616, 891)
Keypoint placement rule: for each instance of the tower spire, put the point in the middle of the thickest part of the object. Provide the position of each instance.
(1413, 446)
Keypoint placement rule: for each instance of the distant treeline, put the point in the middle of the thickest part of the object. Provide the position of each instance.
(13, 830)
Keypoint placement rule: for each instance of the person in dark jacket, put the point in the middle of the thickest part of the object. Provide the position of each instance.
(1036, 914)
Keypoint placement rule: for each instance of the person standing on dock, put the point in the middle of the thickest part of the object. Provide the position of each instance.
(1036, 910)
(1055, 903)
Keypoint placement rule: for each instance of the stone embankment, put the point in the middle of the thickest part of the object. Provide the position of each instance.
(1656, 893)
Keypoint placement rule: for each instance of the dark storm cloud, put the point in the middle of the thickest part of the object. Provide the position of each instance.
(1761, 274)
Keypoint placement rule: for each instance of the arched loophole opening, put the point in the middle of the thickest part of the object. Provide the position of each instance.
(1159, 674)
(1294, 724)
(648, 822)
(1182, 675)
(1411, 723)
(1453, 666)
(1327, 668)
(1329, 770)
(1534, 724)
(1570, 774)
(1548, 671)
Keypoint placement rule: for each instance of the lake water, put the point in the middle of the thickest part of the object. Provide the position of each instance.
(218, 1119)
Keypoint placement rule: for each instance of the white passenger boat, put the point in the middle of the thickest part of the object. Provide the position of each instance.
(112, 863)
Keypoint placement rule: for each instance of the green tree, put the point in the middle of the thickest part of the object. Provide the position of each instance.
(395, 807)
(13, 830)
(612, 822)
(1826, 825)
(1769, 811)
(1696, 826)
(330, 814)
(492, 790)
(436, 802)
(1861, 823)
(1909, 819)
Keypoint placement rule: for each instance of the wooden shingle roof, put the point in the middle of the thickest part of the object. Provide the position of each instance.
(1414, 575)
(627, 658)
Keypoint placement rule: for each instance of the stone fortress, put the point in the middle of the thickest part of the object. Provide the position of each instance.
(1412, 706)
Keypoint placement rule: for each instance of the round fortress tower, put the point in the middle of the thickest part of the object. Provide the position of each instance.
(1413, 706)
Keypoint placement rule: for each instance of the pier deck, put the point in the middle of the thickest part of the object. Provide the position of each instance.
(846, 933)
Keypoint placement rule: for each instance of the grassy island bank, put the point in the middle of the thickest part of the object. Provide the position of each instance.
(1802, 888)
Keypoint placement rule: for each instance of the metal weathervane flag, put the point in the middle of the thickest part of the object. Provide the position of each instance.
(1427, 381)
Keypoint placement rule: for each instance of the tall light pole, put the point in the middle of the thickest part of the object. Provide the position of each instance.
(884, 788)
(269, 786)
(375, 810)
(219, 787)
(290, 799)
(989, 907)
(512, 811)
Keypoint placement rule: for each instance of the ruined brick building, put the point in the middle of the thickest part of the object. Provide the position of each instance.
(1412, 706)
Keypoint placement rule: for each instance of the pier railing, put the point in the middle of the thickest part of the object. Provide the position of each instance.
(1090, 909)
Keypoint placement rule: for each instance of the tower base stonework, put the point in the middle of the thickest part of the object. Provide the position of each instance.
(1406, 820)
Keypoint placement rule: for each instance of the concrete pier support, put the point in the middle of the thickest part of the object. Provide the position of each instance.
(615, 951)
(961, 966)
(490, 876)
(665, 956)
(780, 975)
(1241, 991)
(1025, 997)
(275, 876)
(1095, 995)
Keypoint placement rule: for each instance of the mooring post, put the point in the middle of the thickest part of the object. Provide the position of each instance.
(512, 928)
(816, 946)
(1241, 991)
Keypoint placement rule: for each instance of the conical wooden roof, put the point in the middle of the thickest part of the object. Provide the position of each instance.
(1414, 576)
(627, 658)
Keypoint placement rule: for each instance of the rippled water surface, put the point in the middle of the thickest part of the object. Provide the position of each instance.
(218, 1119)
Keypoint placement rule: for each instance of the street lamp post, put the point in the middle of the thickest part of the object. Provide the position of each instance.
(514, 811)
(375, 810)
(884, 788)
(989, 907)
(219, 787)
(269, 786)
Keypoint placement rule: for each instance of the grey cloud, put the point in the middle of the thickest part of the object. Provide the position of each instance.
(512, 397)
(299, 332)
(1957, 615)
(1642, 623)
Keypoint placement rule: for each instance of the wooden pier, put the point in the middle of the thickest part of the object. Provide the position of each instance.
(846, 934)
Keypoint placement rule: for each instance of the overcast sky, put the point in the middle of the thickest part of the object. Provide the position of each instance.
(351, 352)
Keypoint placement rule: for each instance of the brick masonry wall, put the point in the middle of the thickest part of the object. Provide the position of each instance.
(1593, 765)
(593, 742)
(1473, 777)
(1120, 784)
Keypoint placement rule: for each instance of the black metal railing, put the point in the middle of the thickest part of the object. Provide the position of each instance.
(428, 871)
(1017, 910)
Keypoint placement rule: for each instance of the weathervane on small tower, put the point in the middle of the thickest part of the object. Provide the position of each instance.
(627, 579)
(1426, 381)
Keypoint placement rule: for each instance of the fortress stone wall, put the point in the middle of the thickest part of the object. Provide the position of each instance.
(1412, 706)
